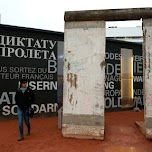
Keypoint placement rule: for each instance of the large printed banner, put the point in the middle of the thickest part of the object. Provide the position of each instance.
(113, 74)
(32, 57)
(113, 79)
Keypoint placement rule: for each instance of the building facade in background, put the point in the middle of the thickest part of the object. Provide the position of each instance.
(129, 34)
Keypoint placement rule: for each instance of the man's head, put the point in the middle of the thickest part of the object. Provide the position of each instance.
(23, 83)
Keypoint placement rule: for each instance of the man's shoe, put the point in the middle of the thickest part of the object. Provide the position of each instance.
(28, 133)
(20, 138)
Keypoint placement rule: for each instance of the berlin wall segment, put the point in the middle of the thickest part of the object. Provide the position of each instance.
(79, 21)
(83, 101)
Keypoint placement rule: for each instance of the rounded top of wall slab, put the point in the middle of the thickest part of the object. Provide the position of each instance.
(108, 15)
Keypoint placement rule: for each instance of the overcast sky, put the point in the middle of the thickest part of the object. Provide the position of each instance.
(49, 14)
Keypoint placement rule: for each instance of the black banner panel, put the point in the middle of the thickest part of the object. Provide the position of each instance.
(32, 55)
(113, 73)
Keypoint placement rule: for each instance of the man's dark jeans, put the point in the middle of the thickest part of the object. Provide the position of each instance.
(23, 116)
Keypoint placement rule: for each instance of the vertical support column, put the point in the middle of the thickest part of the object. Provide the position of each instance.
(147, 53)
(84, 73)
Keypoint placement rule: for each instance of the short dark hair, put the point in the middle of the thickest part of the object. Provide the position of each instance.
(23, 81)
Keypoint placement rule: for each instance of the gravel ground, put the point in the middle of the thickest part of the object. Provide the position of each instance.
(121, 135)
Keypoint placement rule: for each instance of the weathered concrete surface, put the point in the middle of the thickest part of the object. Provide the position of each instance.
(84, 68)
(109, 15)
(84, 72)
(83, 132)
(141, 127)
(88, 120)
(147, 53)
(83, 126)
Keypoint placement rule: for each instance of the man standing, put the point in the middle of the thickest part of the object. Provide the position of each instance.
(24, 98)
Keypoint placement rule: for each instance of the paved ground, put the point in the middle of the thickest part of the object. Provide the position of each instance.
(121, 135)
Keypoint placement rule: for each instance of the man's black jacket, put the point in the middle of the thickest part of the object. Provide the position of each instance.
(24, 100)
